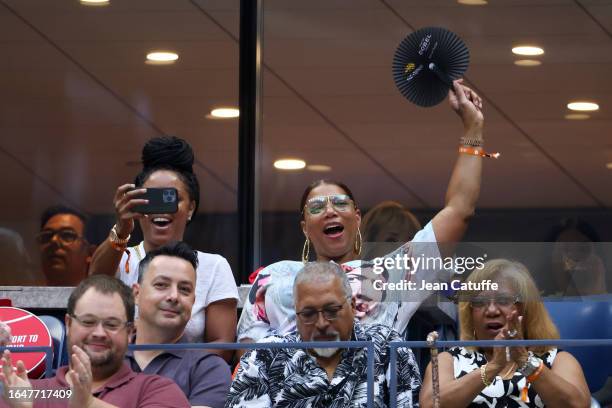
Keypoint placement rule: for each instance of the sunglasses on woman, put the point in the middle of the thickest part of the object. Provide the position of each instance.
(339, 202)
(501, 301)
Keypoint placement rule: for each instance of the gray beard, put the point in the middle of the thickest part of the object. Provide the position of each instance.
(328, 351)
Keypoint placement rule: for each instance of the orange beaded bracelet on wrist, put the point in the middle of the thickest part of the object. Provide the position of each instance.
(534, 376)
(477, 151)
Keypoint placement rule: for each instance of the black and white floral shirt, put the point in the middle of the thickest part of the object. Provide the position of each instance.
(292, 377)
(501, 393)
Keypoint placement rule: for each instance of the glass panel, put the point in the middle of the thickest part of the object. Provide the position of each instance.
(80, 100)
(330, 100)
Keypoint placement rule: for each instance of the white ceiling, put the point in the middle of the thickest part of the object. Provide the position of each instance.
(78, 101)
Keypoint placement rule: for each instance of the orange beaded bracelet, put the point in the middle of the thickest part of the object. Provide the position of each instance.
(534, 376)
(477, 151)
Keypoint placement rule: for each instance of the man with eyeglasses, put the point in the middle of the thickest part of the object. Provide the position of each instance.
(64, 252)
(324, 377)
(165, 294)
(99, 320)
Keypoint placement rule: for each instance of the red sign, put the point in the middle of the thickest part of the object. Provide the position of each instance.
(27, 330)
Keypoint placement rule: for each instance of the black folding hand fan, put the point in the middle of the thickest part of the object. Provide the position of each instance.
(426, 62)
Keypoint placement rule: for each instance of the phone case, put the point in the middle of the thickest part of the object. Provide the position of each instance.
(161, 201)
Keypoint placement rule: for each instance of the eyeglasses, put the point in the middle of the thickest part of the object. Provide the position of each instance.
(310, 316)
(66, 236)
(340, 202)
(110, 325)
(501, 301)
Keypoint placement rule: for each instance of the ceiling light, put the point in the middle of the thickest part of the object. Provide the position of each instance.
(527, 50)
(161, 58)
(95, 2)
(224, 113)
(527, 63)
(583, 106)
(318, 167)
(577, 116)
(473, 2)
(289, 164)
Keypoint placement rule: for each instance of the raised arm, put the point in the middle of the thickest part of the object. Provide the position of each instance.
(108, 255)
(464, 187)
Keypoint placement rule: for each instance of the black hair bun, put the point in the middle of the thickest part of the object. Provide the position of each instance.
(168, 151)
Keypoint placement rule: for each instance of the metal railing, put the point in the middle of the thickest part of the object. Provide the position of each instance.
(369, 346)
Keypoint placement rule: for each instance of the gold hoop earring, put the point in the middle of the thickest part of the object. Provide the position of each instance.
(306, 251)
(358, 242)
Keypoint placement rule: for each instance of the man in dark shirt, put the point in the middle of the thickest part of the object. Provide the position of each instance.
(99, 319)
(65, 253)
(165, 294)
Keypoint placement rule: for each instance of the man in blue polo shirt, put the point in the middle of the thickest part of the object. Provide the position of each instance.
(165, 294)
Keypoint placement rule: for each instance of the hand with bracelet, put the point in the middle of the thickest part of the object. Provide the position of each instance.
(167, 163)
(505, 361)
(126, 198)
(468, 105)
(506, 376)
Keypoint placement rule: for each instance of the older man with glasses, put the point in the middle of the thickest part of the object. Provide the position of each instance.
(65, 253)
(99, 321)
(324, 377)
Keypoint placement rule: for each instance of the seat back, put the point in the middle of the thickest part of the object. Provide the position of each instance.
(58, 334)
(586, 318)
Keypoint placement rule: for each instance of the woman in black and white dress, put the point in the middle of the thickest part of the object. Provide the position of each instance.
(500, 376)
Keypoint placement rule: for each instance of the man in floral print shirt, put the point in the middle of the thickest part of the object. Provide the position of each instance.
(329, 377)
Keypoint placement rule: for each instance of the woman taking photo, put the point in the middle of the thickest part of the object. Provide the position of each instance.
(499, 376)
(168, 163)
(331, 225)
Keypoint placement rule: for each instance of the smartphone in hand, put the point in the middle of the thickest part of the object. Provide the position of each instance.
(161, 201)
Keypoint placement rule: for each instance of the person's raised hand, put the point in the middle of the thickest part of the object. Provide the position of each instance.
(126, 198)
(80, 379)
(467, 104)
(514, 330)
(5, 334)
(498, 360)
(15, 379)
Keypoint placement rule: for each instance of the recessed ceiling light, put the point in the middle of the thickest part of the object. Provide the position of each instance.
(161, 58)
(583, 106)
(318, 167)
(95, 2)
(473, 2)
(223, 113)
(609, 165)
(527, 50)
(577, 116)
(289, 164)
(527, 63)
